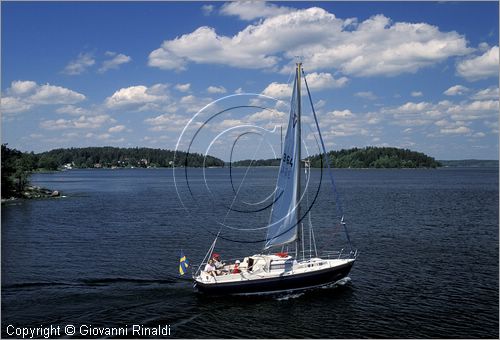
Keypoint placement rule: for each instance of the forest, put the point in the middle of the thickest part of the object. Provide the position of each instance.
(107, 157)
(377, 157)
(17, 166)
(368, 157)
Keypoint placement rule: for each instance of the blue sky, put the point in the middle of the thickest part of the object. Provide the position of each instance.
(419, 75)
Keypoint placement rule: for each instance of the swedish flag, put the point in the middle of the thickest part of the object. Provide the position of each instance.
(183, 264)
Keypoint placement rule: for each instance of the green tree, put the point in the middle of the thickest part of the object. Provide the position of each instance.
(47, 162)
(16, 168)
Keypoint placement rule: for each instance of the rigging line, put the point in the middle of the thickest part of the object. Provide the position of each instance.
(303, 242)
(308, 172)
(337, 199)
(309, 215)
(314, 241)
(208, 254)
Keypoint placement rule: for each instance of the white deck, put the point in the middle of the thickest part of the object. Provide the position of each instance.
(269, 266)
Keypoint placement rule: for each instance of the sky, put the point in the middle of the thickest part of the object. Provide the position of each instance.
(215, 77)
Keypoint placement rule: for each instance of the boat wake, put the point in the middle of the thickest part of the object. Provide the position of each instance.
(343, 282)
(292, 295)
(92, 282)
(111, 280)
(340, 283)
(289, 296)
(36, 284)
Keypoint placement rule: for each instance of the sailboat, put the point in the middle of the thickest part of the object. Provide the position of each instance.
(280, 271)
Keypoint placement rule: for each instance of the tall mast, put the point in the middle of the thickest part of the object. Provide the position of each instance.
(298, 139)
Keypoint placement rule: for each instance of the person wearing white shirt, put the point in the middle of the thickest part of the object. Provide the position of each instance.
(210, 268)
(219, 265)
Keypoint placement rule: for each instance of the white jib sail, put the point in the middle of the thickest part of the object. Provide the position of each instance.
(284, 216)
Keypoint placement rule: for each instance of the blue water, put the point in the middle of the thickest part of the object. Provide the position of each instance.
(106, 254)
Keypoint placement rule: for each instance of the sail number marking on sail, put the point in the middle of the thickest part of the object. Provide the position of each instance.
(287, 159)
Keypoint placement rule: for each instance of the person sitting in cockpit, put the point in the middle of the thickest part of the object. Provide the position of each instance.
(236, 268)
(219, 265)
(210, 268)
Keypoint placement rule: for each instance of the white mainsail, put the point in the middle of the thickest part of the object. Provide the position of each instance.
(284, 216)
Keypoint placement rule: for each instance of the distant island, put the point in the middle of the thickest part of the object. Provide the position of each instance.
(369, 157)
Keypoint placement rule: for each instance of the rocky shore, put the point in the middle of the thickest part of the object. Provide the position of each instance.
(33, 192)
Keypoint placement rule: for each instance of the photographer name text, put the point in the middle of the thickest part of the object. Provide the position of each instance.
(51, 331)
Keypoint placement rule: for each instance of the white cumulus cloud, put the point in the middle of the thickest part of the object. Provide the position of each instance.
(80, 64)
(167, 122)
(478, 109)
(25, 95)
(216, 89)
(376, 46)
(341, 113)
(315, 81)
(22, 87)
(460, 130)
(138, 96)
(83, 122)
(183, 87)
(50, 94)
(267, 115)
(456, 90)
(117, 128)
(72, 110)
(319, 81)
(249, 10)
(278, 90)
(480, 67)
(114, 62)
(488, 93)
(14, 105)
(411, 107)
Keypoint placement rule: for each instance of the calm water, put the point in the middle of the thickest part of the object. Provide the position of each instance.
(107, 254)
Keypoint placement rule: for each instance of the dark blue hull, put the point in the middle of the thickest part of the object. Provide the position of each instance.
(278, 284)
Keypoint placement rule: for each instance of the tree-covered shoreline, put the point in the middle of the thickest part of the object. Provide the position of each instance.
(113, 157)
(377, 157)
(17, 166)
(368, 157)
